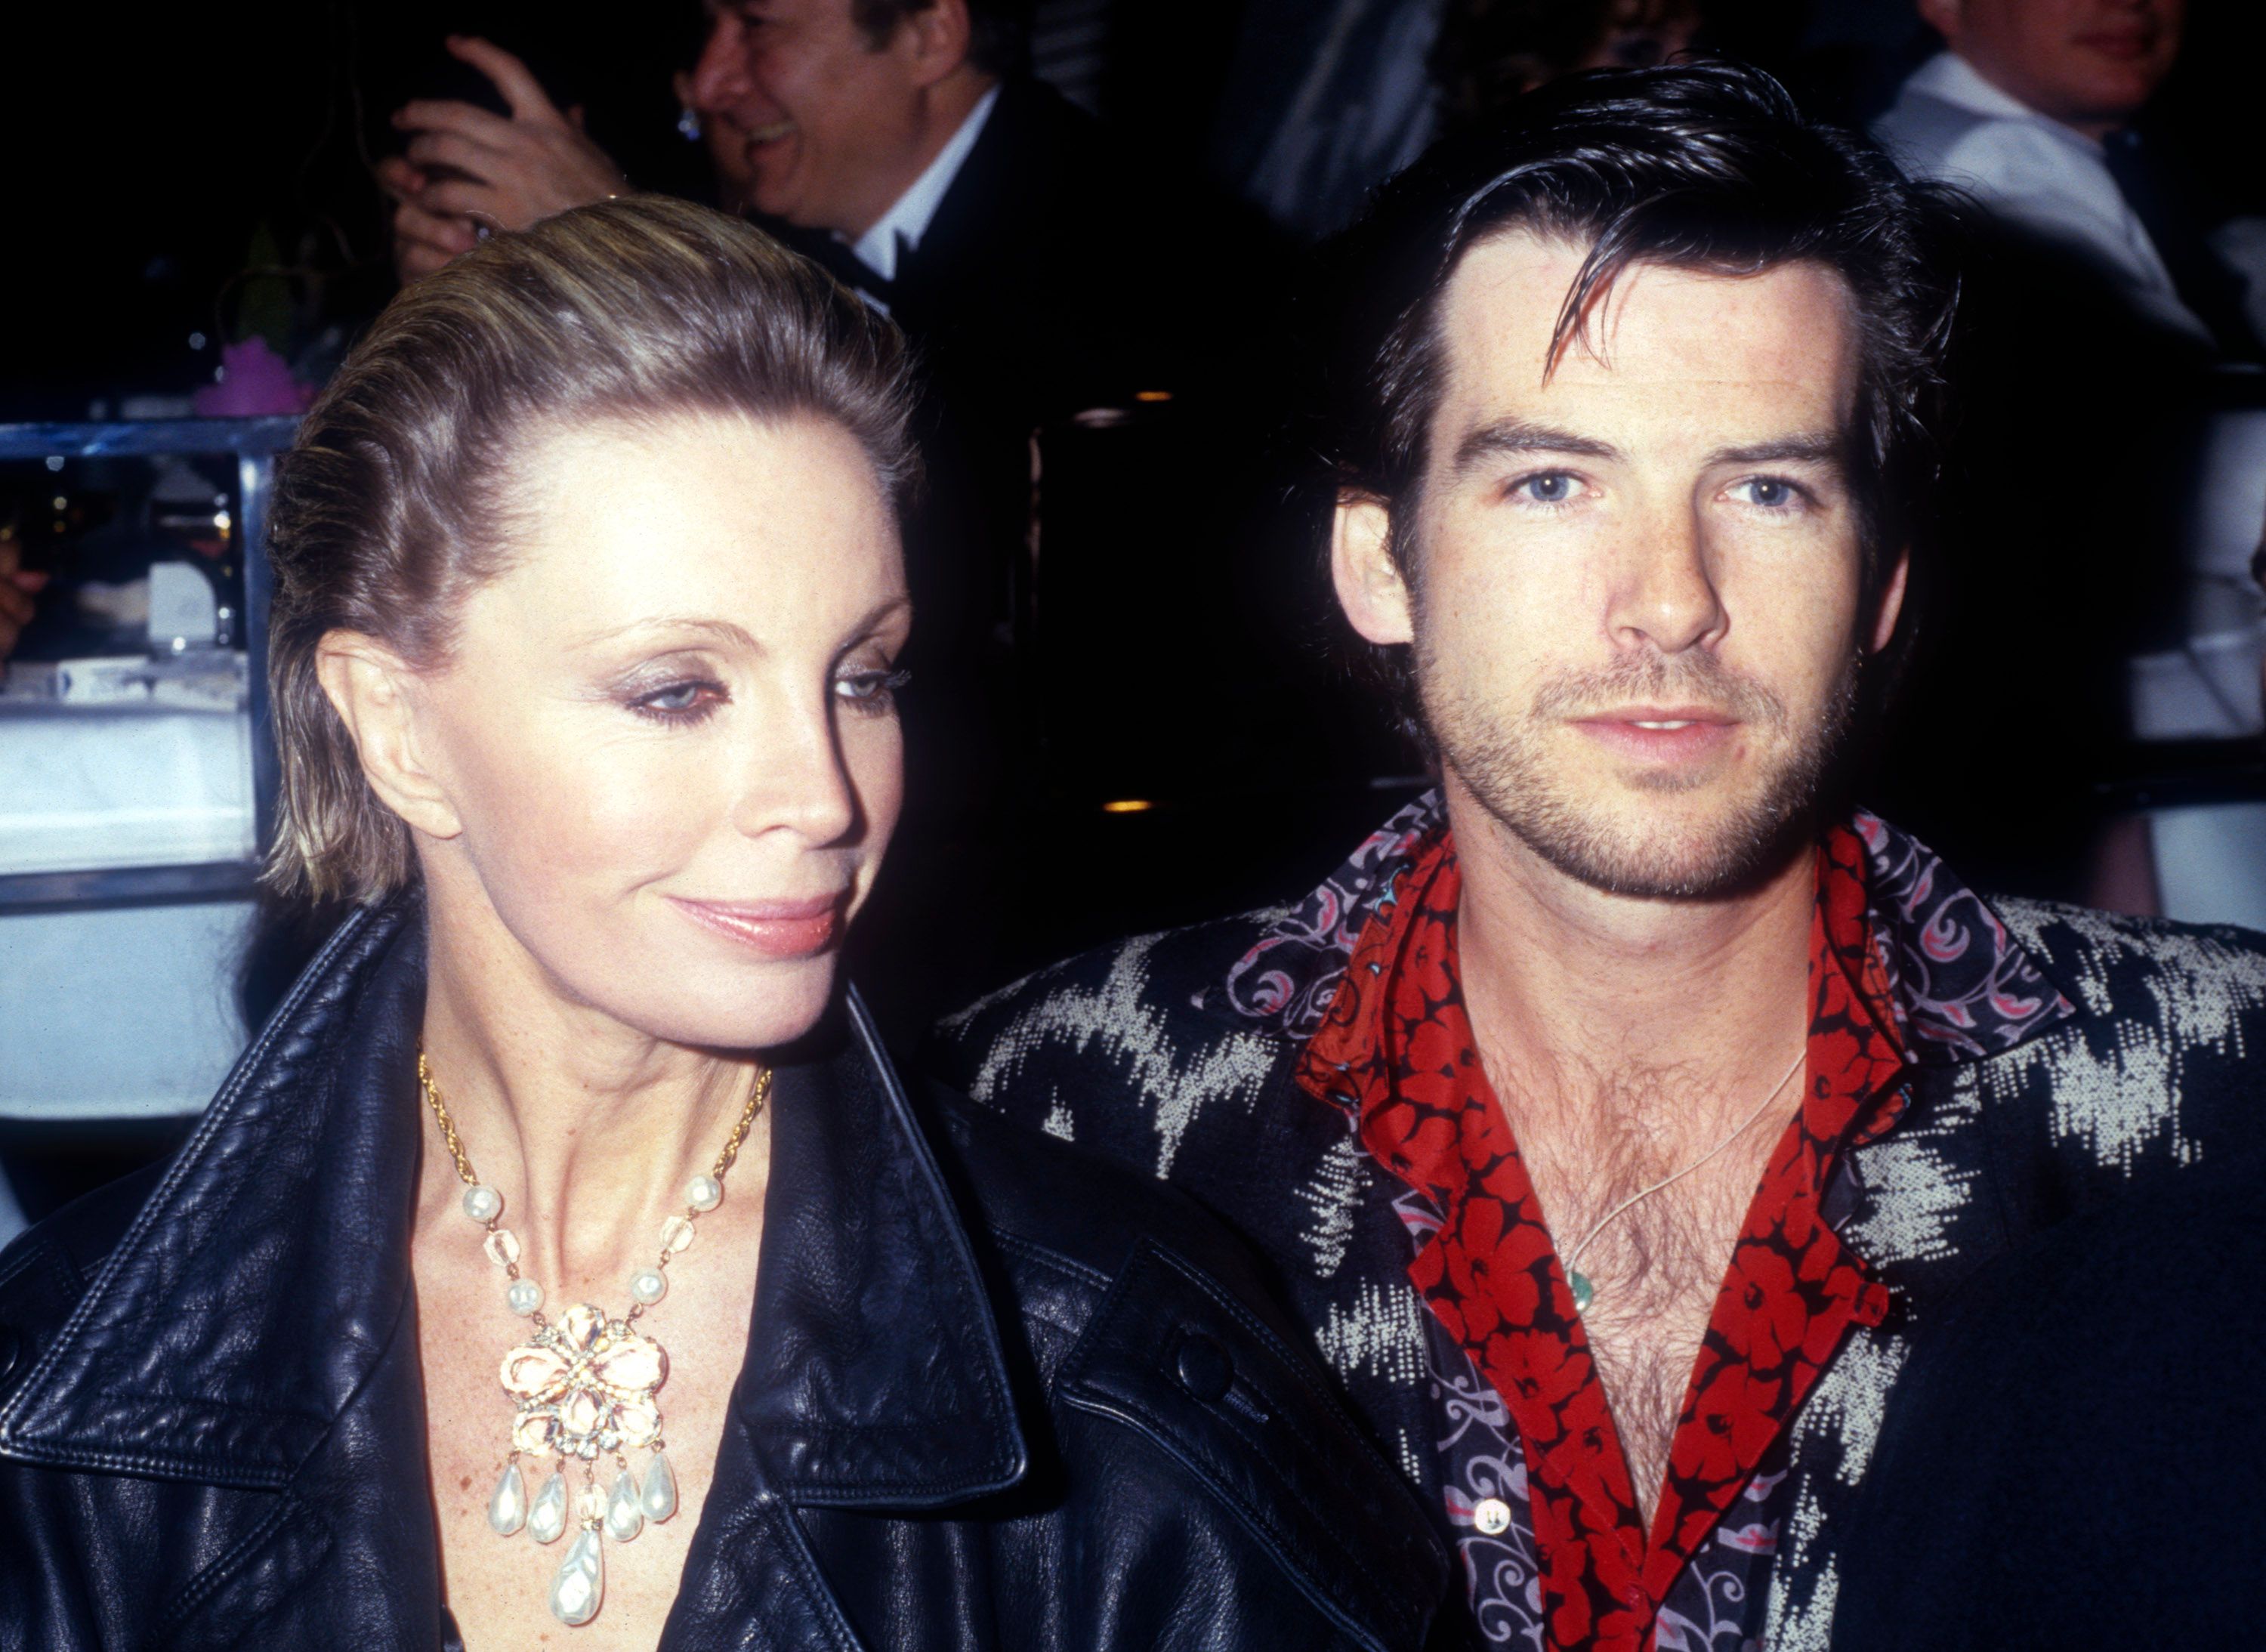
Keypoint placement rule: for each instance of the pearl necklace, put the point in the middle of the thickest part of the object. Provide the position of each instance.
(586, 1385)
(1576, 1281)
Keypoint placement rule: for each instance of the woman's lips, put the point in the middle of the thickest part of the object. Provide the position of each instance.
(772, 929)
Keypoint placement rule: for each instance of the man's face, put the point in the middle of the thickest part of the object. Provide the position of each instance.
(2091, 65)
(822, 119)
(1633, 581)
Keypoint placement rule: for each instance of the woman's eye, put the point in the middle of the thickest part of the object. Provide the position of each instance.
(680, 702)
(1771, 492)
(871, 691)
(1551, 487)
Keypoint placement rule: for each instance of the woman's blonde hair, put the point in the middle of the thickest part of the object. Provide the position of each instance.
(390, 504)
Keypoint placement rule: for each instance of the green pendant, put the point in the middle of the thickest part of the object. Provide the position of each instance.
(1584, 1291)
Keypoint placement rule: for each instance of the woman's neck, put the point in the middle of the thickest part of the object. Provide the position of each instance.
(590, 1128)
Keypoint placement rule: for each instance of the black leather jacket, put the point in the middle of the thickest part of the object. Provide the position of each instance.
(995, 1395)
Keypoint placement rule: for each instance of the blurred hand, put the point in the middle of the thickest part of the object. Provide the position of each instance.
(467, 169)
(16, 586)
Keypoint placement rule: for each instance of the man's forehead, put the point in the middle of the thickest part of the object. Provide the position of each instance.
(1785, 335)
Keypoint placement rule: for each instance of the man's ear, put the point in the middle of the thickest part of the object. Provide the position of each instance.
(374, 694)
(1370, 586)
(1891, 603)
(935, 39)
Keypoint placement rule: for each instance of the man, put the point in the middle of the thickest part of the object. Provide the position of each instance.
(1615, 1119)
(2101, 307)
(2031, 107)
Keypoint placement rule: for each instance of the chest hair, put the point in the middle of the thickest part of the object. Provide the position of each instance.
(1657, 1267)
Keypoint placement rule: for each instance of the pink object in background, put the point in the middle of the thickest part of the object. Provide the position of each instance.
(255, 381)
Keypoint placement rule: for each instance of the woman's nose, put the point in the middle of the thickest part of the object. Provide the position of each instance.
(800, 783)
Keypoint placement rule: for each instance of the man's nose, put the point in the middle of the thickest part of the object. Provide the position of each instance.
(1663, 594)
(720, 76)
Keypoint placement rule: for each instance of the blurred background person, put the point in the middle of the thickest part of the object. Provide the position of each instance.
(2110, 626)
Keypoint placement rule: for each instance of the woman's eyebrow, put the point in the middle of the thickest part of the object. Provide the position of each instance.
(664, 624)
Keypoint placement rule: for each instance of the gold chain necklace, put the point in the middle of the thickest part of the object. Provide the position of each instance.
(586, 1385)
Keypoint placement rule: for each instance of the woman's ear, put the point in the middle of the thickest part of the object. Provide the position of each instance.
(1371, 589)
(376, 697)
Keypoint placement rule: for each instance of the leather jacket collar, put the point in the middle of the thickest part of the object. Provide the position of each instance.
(268, 1274)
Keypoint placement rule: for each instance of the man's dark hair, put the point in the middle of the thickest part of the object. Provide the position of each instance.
(1703, 166)
(998, 31)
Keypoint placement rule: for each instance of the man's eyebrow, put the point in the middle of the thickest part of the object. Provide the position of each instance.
(1807, 447)
(721, 630)
(1523, 436)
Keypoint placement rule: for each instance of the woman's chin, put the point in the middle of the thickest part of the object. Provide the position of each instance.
(739, 1009)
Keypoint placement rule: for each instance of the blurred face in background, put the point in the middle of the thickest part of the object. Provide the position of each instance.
(824, 123)
(2090, 64)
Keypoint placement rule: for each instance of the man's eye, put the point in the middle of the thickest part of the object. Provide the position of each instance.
(1771, 492)
(1551, 487)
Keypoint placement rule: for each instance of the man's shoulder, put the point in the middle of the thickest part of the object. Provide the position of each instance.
(2192, 979)
(1094, 1005)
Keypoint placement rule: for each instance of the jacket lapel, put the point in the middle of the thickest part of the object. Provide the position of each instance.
(183, 1360)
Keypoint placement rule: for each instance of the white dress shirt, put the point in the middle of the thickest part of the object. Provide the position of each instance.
(1949, 123)
(908, 220)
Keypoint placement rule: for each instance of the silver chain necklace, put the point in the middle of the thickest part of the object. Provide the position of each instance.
(1578, 1281)
(586, 1384)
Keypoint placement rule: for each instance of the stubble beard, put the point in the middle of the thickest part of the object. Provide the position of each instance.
(1505, 764)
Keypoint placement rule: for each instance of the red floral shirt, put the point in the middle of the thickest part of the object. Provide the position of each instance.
(1396, 1049)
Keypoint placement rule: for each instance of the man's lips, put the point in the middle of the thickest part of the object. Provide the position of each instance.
(774, 929)
(1660, 732)
(2124, 45)
(769, 133)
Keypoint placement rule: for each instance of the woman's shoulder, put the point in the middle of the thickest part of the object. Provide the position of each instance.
(45, 1269)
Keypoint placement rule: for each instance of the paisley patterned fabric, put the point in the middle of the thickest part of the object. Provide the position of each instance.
(1396, 1051)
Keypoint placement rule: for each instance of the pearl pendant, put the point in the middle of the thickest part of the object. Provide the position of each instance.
(1584, 1292)
(658, 1496)
(547, 1520)
(625, 1514)
(507, 1509)
(580, 1587)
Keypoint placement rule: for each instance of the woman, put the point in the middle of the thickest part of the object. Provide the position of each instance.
(564, 1250)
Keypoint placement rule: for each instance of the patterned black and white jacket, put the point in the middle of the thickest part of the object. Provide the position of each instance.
(2060, 1056)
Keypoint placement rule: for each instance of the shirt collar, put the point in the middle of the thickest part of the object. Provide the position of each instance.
(1954, 80)
(1960, 986)
(908, 221)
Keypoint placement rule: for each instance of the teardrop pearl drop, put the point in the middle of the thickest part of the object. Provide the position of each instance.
(625, 1516)
(660, 1494)
(507, 1509)
(580, 1587)
(548, 1518)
